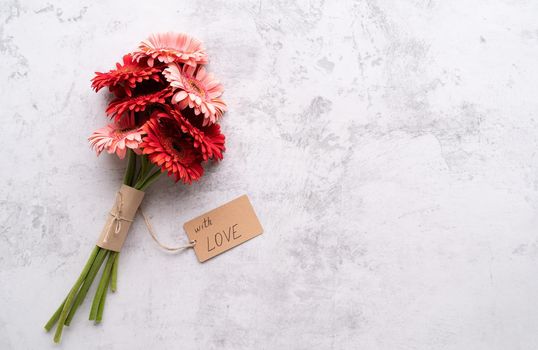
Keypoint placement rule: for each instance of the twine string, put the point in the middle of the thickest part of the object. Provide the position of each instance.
(154, 236)
(116, 217)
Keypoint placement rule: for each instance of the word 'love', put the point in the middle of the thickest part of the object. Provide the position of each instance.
(222, 237)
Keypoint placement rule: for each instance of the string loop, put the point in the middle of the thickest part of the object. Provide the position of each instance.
(154, 236)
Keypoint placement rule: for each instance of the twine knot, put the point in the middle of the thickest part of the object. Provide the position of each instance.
(116, 216)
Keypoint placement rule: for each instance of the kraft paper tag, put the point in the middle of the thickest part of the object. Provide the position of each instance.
(223, 228)
(120, 218)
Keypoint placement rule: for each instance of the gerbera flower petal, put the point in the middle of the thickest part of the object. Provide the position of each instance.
(199, 89)
(125, 77)
(179, 96)
(171, 47)
(208, 139)
(119, 106)
(165, 147)
(113, 138)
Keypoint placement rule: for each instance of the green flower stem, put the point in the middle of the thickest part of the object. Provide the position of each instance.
(87, 284)
(66, 311)
(149, 180)
(131, 167)
(55, 317)
(138, 171)
(141, 179)
(101, 307)
(102, 286)
(144, 166)
(71, 295)
(114, 278)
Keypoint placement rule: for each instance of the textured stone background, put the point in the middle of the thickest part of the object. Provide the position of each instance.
(389, 148)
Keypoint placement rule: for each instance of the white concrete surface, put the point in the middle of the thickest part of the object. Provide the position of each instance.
(389, 148)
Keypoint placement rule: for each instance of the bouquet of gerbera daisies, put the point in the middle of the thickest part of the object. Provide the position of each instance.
(164, 120)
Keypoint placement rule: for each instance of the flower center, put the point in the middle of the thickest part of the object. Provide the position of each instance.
(173, 147)
(194, 85)
(120, 133)
(177, 147)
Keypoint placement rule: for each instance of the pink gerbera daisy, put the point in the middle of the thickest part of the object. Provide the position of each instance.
(197, 89)
(117, 137)
(171, 47)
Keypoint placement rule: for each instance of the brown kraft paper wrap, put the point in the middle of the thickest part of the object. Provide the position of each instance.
(120, 218)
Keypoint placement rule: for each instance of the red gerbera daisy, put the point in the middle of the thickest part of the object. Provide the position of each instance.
(208, 139)
(166, 148)
(119, 106)
(124, 77)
